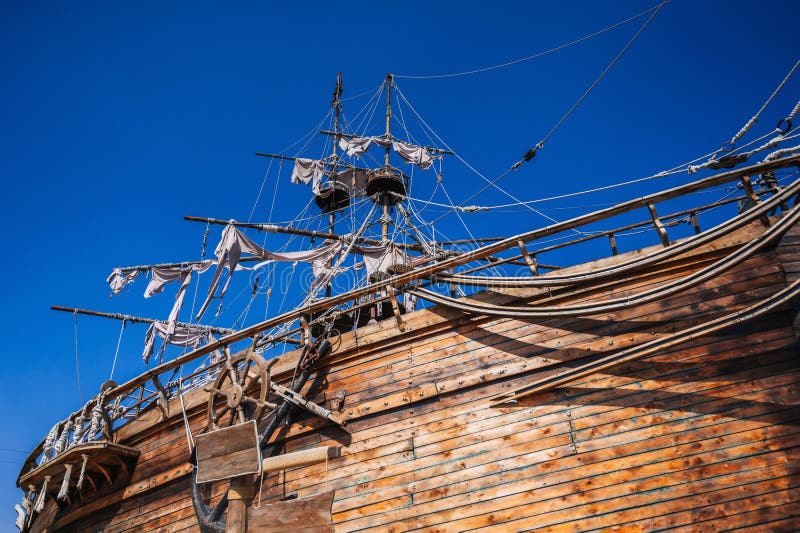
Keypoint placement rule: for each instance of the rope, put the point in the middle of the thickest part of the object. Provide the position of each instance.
(85, 457)
(63, 439)
(39, 507)
(532, 152)
(49, 442)
(466, 164)
(116, 352)
(260, 190)
(64, 490)
(76, 434)
(77, 362)
(729, 145)
(534, 56)
(794, 111)
(189, 438)
(782, 152)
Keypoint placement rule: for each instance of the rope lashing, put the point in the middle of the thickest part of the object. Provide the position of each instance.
(772, 143)
(63, 439)
(728, 146)
(785, 125)
(472, 208)
(97, 416)
(48, 449)
(782, 152)
(39, 507)
(64, 490)
(85, 457)
(78, 431)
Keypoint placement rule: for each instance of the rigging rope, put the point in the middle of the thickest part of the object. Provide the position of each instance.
(727, 147)
(534, 56)
(116, 352)
(77, 362)
(532, 152)
(463, 161)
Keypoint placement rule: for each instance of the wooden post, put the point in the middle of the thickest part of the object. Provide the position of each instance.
(662, 232)
(240, 494)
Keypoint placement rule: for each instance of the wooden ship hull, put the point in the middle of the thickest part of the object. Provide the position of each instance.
(656, 389)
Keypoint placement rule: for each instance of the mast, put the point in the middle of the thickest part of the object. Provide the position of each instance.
(385, 218)
(337, 109)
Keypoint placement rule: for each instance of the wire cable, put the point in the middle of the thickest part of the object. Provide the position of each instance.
(531, 57)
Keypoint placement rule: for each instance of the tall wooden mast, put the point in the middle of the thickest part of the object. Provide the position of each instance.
(388, 134)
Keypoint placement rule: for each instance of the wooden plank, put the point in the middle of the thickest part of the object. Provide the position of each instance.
(293, 515)
(228, 453)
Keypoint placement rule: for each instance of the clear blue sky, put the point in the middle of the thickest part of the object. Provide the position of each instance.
(119, 118)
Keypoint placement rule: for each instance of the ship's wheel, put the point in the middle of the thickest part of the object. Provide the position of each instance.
(240, 391)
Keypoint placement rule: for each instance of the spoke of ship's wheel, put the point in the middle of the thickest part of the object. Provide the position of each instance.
(222, 412)
(245, 370)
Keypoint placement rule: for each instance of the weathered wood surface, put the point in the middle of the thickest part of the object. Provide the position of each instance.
(308, 515)
(227, 453)
(704, 435)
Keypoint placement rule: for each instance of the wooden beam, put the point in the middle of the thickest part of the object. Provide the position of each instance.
(301, 458)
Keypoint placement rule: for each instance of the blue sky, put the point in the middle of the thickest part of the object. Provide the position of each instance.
(117, 119)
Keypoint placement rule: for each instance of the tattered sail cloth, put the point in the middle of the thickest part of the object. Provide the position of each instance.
(355, 146)
(161, 276)
(118, 279)
(413, 154)
(306, 170)
(417, 155)
(233, 243)
(172, 334)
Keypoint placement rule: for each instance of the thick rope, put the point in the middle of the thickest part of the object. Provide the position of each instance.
(49, 442)
(63, 439)
(79, 429)
(39, 507)
(782, 152)
(794, 111)
(85, 457)
(729, 145)
(97, 416)
(64, 490)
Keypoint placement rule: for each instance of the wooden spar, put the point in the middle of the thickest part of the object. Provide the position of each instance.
(139, 320)
(182, 264)
(144, 320)
(431, 149)
(479, 253)
(272, 228)
(276, 156)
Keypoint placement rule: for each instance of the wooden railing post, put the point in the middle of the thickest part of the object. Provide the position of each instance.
(662, 231)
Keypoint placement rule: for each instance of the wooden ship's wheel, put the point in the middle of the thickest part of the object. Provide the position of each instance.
(240, 391)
